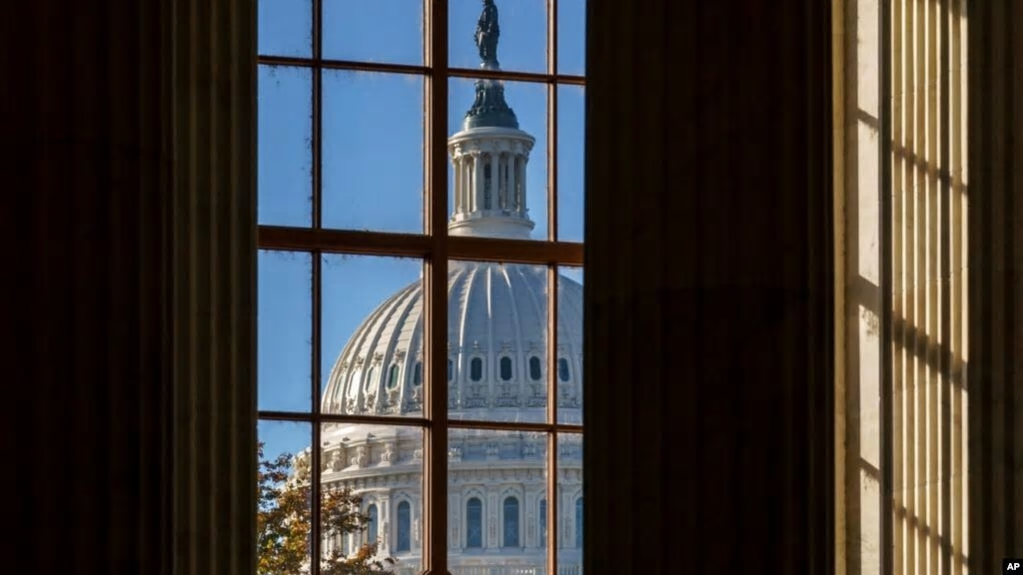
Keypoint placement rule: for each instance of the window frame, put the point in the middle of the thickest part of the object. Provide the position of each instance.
(435, 247)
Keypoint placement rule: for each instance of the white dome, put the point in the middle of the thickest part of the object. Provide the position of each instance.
(497, 321)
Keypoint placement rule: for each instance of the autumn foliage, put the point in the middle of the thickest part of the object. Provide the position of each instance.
(284, 522)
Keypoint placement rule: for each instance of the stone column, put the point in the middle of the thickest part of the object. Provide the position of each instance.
(513, 166)
(130, 294)
(456, 182)
(708, 279)
(520, 193)
(995, 364)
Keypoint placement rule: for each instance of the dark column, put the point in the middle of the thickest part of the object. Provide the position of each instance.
(995, 372)
(129, 263)
(709, 288)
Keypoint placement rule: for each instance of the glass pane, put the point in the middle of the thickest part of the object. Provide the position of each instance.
(285, 28)
(572, 37)
(520, 42)
(570, 506)
(372, 329)
(373, 30)
(285, 146)
(372, 504)
(497, 480)
(570, 346)
(372, 151)
(571, 153)
(284, 326)
(496, 312)
(497, 158)
(284, 518)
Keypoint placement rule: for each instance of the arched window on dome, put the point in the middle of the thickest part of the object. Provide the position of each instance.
(543, 523)
(579, 523)
(535, 368)
(511, 522)
(403, 542)
(506, 368)
(369, 378)
(474, 523)
(417, 373)
(476, 369)
(372, 527)
(563, 373)
(451, 370)
(392, 377)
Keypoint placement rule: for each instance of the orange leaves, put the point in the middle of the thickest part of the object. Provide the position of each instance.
(284, 522)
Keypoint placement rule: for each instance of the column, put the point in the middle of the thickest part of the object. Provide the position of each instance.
(995, 366)
(477, 191)
(722, 185)
(513, 167)
(131, 126)
(520, 193)
(456, 182)
(502, 181)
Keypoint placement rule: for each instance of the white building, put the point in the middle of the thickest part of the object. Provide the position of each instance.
(497, 327)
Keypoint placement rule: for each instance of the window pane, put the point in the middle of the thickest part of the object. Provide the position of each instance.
(373, 30)
(284, 142)
(372, 151)
(497, 158)
(284, 326)
(510, 523)
(572, 37)
(541, 522)
(521, 38)
(404, 522)
(285, 28)
(284, 517)
(570, 510)
(496, 482)
(372, 497)
(372, 329)
(496, 312)
(571, 153)
(570, 345)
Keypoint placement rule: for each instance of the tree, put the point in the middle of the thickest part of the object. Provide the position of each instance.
(284, 521)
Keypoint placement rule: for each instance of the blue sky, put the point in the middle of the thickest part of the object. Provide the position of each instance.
(373, 162)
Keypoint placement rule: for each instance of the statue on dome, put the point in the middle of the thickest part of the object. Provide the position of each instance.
(487, 33)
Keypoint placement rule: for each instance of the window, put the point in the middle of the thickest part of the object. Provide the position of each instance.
(408, 154)
(535, 371)
(474, 523)
(563, 373)
(506, 368)
(542, 526)
(476, 369)
(404, 538)
(372, 527)
(579, 523)
(511, 522)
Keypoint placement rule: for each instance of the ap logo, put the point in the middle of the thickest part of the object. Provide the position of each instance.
(1014, 566)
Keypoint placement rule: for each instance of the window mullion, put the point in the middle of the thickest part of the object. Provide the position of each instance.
(435, 474)
(315, 488)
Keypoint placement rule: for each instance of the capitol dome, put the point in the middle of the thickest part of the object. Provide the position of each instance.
(496, 372)
(497, 369)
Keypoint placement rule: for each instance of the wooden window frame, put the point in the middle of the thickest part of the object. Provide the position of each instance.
(436, 248)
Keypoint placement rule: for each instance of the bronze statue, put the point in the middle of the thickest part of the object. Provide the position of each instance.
(487, 33)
